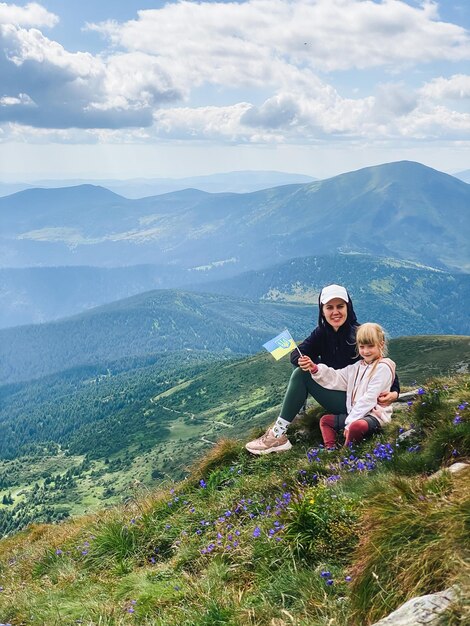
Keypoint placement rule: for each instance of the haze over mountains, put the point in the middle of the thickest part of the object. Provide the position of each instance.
(403, 210)
(235, 182)
(396, 235)
(465, 176)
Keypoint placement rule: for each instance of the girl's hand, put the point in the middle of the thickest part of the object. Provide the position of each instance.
(307, 365)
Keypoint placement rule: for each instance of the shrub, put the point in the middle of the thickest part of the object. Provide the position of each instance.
(323, 525)
(113, 541)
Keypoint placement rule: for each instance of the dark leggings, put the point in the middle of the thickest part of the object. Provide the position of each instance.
(300, 385)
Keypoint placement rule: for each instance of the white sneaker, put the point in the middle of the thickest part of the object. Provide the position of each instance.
(269, 443)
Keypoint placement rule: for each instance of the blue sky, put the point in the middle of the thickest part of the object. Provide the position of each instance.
(105, 89)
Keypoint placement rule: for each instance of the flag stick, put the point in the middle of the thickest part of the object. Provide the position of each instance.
(297, 347)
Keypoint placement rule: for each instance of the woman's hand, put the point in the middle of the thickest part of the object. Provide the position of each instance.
(307, 365)
(386, 398)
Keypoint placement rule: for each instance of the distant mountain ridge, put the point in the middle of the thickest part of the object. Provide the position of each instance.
(465, 176)
(34, 295)
(403, 210)
(244, 181)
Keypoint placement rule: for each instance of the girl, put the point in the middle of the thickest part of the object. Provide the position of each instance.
(363, 382)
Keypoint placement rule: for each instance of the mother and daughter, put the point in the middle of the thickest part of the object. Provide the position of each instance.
(344, 367)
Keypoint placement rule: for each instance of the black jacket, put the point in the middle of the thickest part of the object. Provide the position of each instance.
(336, 349)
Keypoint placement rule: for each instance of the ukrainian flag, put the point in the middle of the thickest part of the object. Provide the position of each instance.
(280, 345)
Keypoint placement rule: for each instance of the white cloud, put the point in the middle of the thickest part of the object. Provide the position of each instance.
(21, 98)
(456, 87)
(32, 14)
(78, 89)
(133, 81)
(22, 45)
(202, 122)
(276, 55)
(219, 42)
(437, 123)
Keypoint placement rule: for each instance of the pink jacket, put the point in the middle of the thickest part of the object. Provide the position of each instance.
(361, 388)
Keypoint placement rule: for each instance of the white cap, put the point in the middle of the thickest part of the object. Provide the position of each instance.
(333, 291)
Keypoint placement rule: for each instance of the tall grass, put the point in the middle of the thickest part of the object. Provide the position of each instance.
(413, 531)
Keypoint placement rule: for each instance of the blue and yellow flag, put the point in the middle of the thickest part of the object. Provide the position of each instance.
(280, 345)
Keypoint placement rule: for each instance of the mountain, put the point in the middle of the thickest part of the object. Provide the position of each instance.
(465, 176)
(407, 298)
(7, 189)
(403, 210)
(154, 322)
(234, 182)
(240, 314)
(403, 294)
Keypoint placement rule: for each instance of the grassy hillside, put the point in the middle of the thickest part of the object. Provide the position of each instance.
(306, 537)
(162, 321)
(87, 438)
(422, 357)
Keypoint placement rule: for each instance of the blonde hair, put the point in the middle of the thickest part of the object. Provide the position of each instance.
(371, 334)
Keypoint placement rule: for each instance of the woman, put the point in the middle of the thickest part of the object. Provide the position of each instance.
(332, 343)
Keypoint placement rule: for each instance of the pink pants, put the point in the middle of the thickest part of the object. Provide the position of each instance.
(355, 433)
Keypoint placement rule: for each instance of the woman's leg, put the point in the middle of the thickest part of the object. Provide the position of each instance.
(300, 385)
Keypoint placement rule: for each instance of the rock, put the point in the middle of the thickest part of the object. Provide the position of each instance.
(405, 435)
(407, 395)
(457, 467)
(425, 610)
(453, 469)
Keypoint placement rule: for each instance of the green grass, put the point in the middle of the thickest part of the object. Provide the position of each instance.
(295, 538)
(228, 399)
